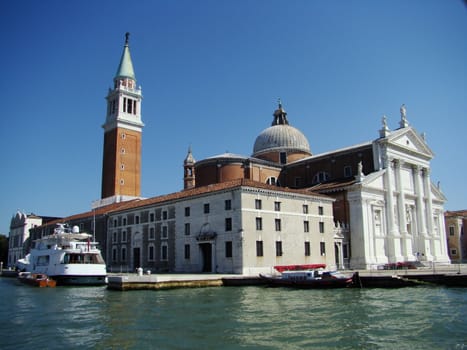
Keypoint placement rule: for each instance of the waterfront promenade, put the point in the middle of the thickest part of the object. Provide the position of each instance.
(454, 274)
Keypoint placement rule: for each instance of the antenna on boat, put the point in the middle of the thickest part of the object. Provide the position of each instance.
(94, 224)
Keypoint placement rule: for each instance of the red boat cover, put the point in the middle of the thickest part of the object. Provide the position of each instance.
(282, 268)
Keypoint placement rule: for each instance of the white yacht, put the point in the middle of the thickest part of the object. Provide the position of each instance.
(67, 256)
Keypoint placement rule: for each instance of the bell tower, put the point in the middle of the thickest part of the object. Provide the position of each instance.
(121, 166)
(189, 179)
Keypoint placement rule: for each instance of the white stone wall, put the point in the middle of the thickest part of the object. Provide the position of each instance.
(210, 238)
(292, 233)
(396, 213)
(19, 233)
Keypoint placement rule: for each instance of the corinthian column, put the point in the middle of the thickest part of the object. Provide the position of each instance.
(406, 240)
(400, 198)
(429, 205)
(393, 242)
(424, 243)
(419, 200)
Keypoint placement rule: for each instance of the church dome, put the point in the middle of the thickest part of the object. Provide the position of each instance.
(281, 137)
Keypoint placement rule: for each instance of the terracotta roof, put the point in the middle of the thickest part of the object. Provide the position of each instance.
(96, 212)
(135, 203)
(333, 186)
(211, 189)
(456, 213)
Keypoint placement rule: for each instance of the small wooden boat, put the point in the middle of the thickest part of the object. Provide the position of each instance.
(36, 279)
(313, 279)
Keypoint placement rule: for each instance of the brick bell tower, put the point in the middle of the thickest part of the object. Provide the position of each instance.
(121, 166)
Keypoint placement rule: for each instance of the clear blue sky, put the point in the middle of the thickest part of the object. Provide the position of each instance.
(211, 74)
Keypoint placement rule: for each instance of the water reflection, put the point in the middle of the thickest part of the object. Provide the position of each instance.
(229, 318)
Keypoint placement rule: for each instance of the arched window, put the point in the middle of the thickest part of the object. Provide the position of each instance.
(272, 180)
(320, 176)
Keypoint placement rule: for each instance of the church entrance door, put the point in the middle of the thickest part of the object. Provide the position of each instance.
(206, 254)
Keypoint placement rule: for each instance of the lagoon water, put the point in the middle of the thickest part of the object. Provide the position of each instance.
(232, 318)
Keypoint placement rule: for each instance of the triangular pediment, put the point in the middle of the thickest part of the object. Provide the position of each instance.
(407, 139)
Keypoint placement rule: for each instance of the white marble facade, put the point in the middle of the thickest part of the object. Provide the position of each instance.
(396, 212)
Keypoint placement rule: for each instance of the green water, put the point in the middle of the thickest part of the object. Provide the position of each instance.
(232, 318)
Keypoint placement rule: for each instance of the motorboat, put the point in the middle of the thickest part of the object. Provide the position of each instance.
(67, 256)
(36, 279)
(312, 278)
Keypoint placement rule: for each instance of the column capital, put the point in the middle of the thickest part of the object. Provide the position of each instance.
(426, 172)
(398, 163)
(416, 167)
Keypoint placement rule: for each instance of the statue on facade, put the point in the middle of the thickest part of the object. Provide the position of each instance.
(403, 123)
(403, 112)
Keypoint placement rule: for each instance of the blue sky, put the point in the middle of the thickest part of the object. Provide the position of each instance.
(211, 73)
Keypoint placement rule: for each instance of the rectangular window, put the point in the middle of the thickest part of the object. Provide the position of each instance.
(165, 234)
(123, 253)
(320, 210)
(151, 253)
(258, 204)
(187, 251)
(345, 251)
(453, 251)
(277, 206)
(187, 229)
(164, 215)
(206, 208)
(228, 249)
(347, 171)
(322, 248)
(305, 208)
(152, 233)
(259, 224)
(228, 224)
(306, 226)
(259, 248)
(279, 248)
(151, 217)
(307, 249)
(283, 157)
(137, 219)
(228, 204)
(278, 224)
(115, 222)
(164, 252)
(124, 104)
(114, 237)
(123, 236)
(187, 211)
(124, 222)
(451, 230)
(130, 106)
(321, 227)
(114, 254)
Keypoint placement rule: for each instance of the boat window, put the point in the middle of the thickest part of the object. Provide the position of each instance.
(82, 258)
(43, 260)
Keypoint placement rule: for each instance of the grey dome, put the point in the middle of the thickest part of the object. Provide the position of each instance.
(281, 137)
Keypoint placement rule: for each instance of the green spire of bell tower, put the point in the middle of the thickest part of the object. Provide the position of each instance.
(125, 68)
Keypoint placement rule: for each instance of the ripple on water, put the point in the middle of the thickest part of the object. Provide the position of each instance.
(232, 318)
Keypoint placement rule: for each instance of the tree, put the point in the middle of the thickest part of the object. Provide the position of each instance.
(4, 249)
